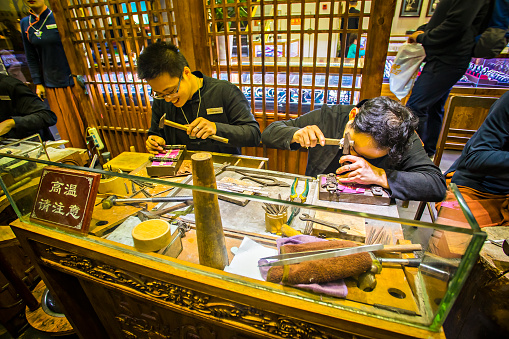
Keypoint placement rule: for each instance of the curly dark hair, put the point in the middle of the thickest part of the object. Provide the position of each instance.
(160, 58)
(389, 123)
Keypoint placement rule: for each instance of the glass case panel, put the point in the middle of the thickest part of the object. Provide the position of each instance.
(254, 214)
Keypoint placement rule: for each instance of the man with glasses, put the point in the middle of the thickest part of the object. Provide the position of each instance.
(386, 151)
(207, 106)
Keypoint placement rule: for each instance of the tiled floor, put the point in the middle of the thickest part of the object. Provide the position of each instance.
(417, 235)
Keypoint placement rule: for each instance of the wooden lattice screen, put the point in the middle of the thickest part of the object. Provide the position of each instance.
(288, 57)
(282, 54)
(106, 37)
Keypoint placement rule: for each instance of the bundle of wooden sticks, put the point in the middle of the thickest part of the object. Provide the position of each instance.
(274, 208)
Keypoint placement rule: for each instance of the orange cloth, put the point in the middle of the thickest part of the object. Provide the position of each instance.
(488, 209)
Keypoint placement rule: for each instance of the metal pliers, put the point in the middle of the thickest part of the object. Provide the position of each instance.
(303, 195)
(262, 179)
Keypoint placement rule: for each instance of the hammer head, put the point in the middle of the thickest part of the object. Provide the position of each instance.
(161, 121)
(346, 144)
(109, 202)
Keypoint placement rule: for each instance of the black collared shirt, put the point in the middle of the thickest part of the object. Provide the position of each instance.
(222, 103)
(415, 177)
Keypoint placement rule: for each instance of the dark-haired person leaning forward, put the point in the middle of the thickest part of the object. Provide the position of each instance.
(206, 105)
(386, 149)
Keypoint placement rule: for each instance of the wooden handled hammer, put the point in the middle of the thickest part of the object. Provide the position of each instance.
(170, 123)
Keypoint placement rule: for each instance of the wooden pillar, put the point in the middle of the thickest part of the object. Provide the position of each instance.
(75, 60)
(209, 228)
(380, 22)
(192, 34)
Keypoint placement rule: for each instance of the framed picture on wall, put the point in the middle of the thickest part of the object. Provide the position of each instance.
(411, 8)
(432, 5)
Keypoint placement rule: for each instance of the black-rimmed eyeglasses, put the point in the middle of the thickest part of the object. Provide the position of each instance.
(169, 96)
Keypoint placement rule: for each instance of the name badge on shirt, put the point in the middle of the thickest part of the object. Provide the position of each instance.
(217, 110)
(5, 97)
(51, 26)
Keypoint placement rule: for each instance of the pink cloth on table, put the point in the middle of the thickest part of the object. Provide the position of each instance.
(323, 180)
(162, 163)
(170, 155)
(450, 204)
(352, 189)
(334, 288)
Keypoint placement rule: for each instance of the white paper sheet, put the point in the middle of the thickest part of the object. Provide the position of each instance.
(245, 262)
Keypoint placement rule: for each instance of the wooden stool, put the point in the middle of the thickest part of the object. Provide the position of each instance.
(44, 322)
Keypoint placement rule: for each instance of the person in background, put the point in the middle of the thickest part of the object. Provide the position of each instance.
(448, 40)
(22, 112)
(386, 150)
(353, 47)
(207, 106)
(352, 23)
(482, 170)
(50, 71)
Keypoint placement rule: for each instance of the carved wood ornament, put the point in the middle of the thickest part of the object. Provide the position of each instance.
(174, 295)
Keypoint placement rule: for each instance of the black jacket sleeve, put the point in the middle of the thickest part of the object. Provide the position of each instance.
(155, 118)
(416, 177)
(458, 19)
(279, 134)
(29, 112)
(242, 129)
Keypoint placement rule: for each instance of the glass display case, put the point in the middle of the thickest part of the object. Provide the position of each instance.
(493, 73)
(209, 273)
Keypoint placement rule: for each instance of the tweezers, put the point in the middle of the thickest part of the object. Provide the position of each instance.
(263, 179)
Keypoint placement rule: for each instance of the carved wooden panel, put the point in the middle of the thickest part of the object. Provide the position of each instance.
(134, 305)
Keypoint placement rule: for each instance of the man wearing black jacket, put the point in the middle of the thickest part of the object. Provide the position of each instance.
(448, 39)
(386, 150)
(22, 112)
(207, 106)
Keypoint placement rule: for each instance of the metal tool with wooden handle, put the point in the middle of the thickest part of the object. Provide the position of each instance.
(173, 124)
(333, 142)
(298, 257)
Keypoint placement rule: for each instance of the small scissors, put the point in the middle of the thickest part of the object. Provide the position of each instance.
(263, 179)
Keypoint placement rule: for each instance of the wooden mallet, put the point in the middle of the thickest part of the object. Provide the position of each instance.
(170, 123)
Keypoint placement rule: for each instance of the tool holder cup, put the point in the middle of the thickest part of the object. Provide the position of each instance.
(273, 222)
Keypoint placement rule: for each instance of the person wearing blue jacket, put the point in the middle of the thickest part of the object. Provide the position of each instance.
(353, 47)
(50, 71)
